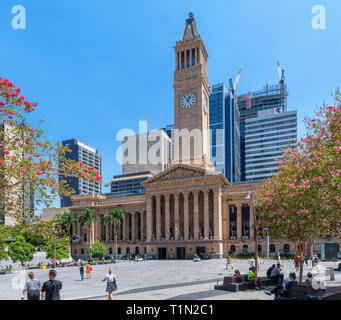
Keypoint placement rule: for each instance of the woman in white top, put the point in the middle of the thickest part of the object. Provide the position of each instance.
(111, 283)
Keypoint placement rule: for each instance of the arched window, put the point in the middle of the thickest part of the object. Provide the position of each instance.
(233, 248)
(145, 250)
(259, 248)
(272, 248)
(137, 250)
(118, 250)
(110, 250)
(245, 249)
(82, 251)
(286, 248)
(128, 250)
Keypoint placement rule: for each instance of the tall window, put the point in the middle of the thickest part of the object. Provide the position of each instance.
(246, 221)
(233, 221)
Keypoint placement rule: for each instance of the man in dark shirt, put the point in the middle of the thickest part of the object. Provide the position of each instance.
(51, 288)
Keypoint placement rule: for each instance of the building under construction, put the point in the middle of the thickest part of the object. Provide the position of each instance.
(272, 98)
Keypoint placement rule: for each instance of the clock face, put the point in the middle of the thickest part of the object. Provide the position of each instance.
(187, 100)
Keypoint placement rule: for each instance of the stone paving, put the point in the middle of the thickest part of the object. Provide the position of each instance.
(155, 280)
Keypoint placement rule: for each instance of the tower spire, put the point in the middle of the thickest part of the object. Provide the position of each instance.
(190, 31)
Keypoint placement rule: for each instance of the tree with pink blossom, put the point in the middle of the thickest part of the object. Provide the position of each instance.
(303, 201)
(30, 165)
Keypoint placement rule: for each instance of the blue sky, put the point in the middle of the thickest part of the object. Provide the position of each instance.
(95, 67)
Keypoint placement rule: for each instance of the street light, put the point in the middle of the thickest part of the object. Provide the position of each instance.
(250, 196)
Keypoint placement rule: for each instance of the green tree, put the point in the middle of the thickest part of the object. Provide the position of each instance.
(302, 202)
(3, 244)
(114, 216)
(87, 217)
(20, 250)
(97, 250)
(58, 249)
(66, 220)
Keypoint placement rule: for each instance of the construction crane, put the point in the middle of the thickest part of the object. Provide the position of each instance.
(280, 73)
(234, 86)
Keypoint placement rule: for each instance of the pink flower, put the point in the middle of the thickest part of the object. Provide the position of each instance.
(38, 171)
(6, 152)
(320, 179)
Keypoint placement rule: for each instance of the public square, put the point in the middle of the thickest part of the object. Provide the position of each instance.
(159, 280)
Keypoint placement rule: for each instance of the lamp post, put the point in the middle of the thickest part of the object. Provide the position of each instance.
(250, 196)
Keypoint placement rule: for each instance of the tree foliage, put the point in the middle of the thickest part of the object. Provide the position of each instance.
(20, 250)
(29, 163)
(303, 201)
(97, 250)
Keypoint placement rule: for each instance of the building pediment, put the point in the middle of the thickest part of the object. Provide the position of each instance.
(181, 172)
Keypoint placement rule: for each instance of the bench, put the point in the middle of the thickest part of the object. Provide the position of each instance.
(302, 291)
(240, 283)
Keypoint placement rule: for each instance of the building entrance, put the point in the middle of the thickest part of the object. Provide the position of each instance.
(162, 253)
(181, 253)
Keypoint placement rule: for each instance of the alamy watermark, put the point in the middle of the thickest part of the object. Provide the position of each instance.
(319, 20)
(19, 18)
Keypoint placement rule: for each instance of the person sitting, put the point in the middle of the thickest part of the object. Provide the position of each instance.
(276, 274)
(251, 277)
(284, 291)
(236, 273)
(268, 273)
(309, 279)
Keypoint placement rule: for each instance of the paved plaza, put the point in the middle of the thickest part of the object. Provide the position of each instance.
(156, 280)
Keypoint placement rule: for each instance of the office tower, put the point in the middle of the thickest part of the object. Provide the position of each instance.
(271, 97)
(225, 137)
(143, 156)
(89, 156)
(265, 136)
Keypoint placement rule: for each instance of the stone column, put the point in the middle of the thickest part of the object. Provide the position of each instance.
(176, 215)
(217, 214)
(92, 232)
(227, 211)
(252, 220)
(186, 215)
(239, 221)
(206, 215)
(149, 220)
(158, 217)
(196, 214)
(107, 232)
(142, 225)
(133, 237)
(167, 215)
(127, 226)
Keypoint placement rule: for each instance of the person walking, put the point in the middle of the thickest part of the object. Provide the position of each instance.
(111, 283)
(297, 263)
(228, 262)
(32, 288)
(81, 271)
(88, 270)
(51, 288)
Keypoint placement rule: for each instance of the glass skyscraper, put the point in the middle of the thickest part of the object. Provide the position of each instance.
(225, 137)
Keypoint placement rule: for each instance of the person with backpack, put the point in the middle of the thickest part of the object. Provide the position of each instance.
(32, 288)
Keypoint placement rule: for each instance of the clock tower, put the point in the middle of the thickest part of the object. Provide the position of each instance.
(191, 99)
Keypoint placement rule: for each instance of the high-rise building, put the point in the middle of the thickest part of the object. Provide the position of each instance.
(225, 137)
(146, 152)
(265, 136)
(271, 97)
(89, 156)
(143, 156)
